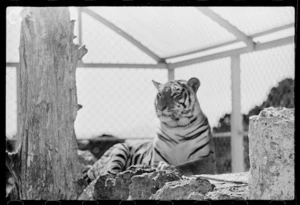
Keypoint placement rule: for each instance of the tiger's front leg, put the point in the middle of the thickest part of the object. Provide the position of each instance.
(113, 161)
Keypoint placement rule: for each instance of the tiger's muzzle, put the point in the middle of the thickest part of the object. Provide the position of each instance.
(165, 101)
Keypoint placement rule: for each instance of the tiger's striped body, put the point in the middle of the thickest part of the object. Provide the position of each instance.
(184, 133)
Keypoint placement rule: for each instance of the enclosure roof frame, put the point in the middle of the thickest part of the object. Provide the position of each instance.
(122, 33)
(228, 26)
(238, 51)
(171, 66)
(240, 37)
(161, 63)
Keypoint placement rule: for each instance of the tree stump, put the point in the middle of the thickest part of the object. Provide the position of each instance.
(47, 163)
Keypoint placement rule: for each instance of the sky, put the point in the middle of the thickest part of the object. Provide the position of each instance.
(120, 101)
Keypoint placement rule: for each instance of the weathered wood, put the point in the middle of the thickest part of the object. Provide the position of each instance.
(48, 105)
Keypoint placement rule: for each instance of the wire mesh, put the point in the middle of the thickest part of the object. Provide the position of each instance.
(214, 93)
(223, 154)
(11, 102)
(167, 30)
(246, 18)
(13, 28)
(262, 70)
(120, 101)
(106, 46)
(117, 101)
(267, 79)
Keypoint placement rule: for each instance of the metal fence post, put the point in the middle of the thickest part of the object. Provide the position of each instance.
(171, 75)
(237, 148)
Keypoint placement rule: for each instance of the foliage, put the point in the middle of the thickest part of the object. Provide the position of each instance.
(281, 95)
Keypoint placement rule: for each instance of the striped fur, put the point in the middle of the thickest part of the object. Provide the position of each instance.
(184, 133)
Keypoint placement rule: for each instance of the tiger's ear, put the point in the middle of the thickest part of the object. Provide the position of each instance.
(156, 84)
(194, 83)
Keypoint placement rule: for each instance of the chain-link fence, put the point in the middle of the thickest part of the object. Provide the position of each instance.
(267, 79)
(120, 101)
(117, 101)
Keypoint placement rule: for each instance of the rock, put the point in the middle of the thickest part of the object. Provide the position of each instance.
(88, 192)
(231, 192)
(233, 186)
(117, 188)
(271, 153)
(182, 189)
(218, 196)
(197, 196)
(143, 186)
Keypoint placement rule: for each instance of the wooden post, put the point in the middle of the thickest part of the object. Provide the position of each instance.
(237, 148)
(47, 164)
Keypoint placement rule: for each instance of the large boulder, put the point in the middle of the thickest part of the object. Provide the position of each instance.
(271, 152)
(188, 188)
(143, 186)
(117, 188)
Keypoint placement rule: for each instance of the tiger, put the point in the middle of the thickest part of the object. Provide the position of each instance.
(183, 134)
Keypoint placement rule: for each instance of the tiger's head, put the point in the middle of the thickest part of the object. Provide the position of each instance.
(176, 102)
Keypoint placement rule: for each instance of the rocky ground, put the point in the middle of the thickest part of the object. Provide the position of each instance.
(140, 183)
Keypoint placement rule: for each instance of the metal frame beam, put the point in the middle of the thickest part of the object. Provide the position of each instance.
(228, 26)
(273, 30)
(202, 49)
(270, 31)
(121, 65)
(223, 54)
(122, 33)
(12, 64)
(262, 46)
(170, 66)
(109, 65)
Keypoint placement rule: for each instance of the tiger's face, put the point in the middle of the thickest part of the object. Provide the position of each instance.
(175, 101)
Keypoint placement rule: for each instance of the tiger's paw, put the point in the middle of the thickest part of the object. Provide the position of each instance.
(165, 166)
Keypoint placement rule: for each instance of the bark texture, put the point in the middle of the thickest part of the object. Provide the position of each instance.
(48, 162)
